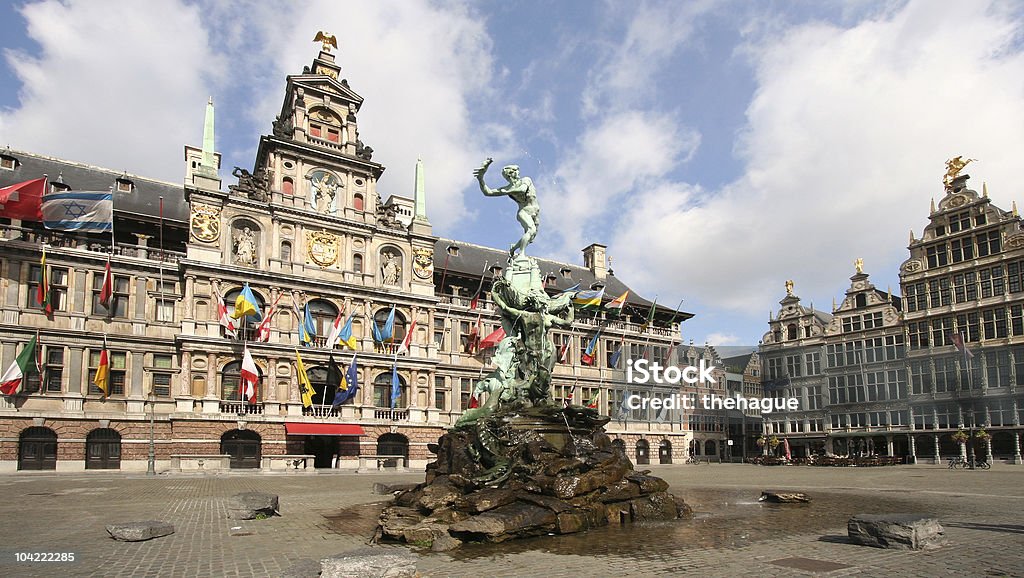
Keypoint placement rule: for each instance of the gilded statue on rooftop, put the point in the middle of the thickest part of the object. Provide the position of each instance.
(953, 168)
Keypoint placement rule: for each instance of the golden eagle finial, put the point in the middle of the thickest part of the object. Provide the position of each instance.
(328, 39)
(953, 168)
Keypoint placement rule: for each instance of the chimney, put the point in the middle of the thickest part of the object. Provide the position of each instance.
(595, 259)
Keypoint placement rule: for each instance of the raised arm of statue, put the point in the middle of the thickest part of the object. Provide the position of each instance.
(479, 174)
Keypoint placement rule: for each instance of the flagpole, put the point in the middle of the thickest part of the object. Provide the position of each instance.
(112, 242)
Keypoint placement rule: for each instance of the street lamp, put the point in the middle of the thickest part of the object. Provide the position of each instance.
(151, 466)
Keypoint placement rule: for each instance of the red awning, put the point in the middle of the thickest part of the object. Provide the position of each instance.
(323, 429)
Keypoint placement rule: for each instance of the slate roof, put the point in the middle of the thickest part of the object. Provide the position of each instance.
(143, 200)
(471, 259)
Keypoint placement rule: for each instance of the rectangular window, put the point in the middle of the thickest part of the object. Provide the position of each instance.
(959, 222)
(812, 363)
(439, 392)
(1017, 320)
(333, 135)
(945, 374)
(937, 256)
(162, 379)
(969, 325)
(873, 320)
(994, 323)
(992, 282)
(58, 287)
(942, 329)
(918, 331)
(53, 372)
(893, 347)
(118, 369)
(988, 243)
(774, 368)
(439, 332)
(997, 367)
(917, 299)
(118, 301)
(1015, 276)
(465, 392)
(920, 377)
(563, 349)
(793, 365)
(965, 287)
(962, 249)
(874, 350)
(851, 324)
(314, 130)
(938, 292)
(165, 310)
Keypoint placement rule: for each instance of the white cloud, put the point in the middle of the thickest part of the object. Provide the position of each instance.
(720, 339)
(114, 91)
(845, 144)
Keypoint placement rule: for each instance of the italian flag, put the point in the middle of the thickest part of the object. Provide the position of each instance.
(11, 379)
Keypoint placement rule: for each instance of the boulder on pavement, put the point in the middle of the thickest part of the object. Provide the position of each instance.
(369, 563)
(139, 531)
(895, 531)
(250, 505)
(777, 497)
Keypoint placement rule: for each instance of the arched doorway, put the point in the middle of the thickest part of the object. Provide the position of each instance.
(1002, 445)
(665, 452)
(710, 448)
(243, 446)
(900, 447)
(947, 446)
(695, 447)
(643, 452)
(924, 446)
(37, 449)
(393, 444)
(103, 449)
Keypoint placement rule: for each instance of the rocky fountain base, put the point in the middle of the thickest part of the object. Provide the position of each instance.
(522, 472)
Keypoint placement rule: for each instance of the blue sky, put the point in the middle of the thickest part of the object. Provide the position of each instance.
(717, 148)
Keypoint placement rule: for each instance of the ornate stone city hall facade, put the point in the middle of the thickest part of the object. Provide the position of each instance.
(306, 227)
(885, 376)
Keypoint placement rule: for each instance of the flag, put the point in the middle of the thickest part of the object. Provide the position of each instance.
(102, 378)
(493, 339)
(474, 337)
(568, 400)
(623, 408)
(336, 385)
(89, 211)
(588, 354)
(785, 447)
(474, 302)
(404, 347)
(615, 305)
(43, 291)
(305, 388)
(594, 401)
(564, 349)
(12, 378)
(263, 330)
(107, 290)
(349, 385)
(588, 299)
(958, 342)
(473, 402)
(614, 361)
(333, 335)
(570, 289)
(250, 376)
(246, 304)
(222, 314)
(345, 336)
(384, 335)
(650, 314)
(308, 331)
(23, 200)
(396, 386)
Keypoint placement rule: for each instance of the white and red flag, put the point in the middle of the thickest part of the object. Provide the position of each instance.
(250, 376)
(404, 347)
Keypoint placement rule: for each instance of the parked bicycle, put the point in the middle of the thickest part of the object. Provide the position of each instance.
(957, 462)
(692, 460)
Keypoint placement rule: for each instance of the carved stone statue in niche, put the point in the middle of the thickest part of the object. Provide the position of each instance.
(252, 186)
(390, 268)
(323, 192)
(244, 248)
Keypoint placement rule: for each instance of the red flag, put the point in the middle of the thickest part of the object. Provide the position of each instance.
(108, 286)
(563, 350)
(404, 347)
(473, 403)
(263, 330)
(23, 200)
(474, 302)
(958, 342)
(250, 376)
(492, 339)
(474, 337)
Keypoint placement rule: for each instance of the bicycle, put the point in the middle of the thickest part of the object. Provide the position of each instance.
(957, 462)
(692, 460)
(980, 464)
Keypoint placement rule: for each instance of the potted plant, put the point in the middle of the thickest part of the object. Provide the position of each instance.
(982, 435)
(961, 437)
(761, 441)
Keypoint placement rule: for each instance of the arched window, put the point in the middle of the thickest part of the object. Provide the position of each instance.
(393, 444)
(288, 186)
(324, 314)
(862, 300)
(357, 263)
(665, 452)
(357, 201)
(251, 321)
(231, 378)
(710, 449)
(382, 391)
(791, 331)
(318, 379)
(286, 251)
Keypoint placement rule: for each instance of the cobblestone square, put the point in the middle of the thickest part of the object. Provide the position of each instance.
(731, 535)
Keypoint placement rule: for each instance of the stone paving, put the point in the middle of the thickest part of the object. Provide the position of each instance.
(732, 534)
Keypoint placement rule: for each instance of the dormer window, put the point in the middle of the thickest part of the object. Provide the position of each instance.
(124, 185)
(453, 250)
(496, 270)
(7, 162)
(566, 273)
(550, 279)
(59, 187)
